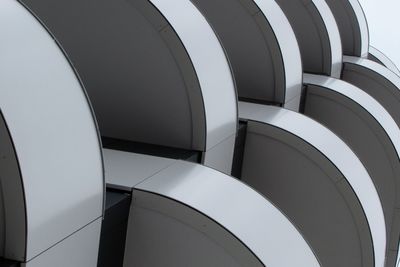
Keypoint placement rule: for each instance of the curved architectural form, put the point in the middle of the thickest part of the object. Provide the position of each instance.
(151, 78)
(317, 35)
(286, 148)
(354, 32)
(177, 90)
(370, 131)
(239, 14)
(270, 70)
(377, 76)
(352, 26)
(375, 79)
(172, 219)
(51, 169)
(379, 57)
(159, 74)
(390, 208)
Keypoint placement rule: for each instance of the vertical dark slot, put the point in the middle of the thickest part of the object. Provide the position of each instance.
(114, 228)
(303, 99)
(239, 150)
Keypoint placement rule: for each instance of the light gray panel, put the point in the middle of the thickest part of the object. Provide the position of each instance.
(137, 73)
(368, 130)
(317, 34)
(220, 157)
(211, 66)
(311, 191)
(376, 80)
(210, 218)
(352, 25)
(289, 49)
(124, 170)
(214, 74)
(78, 250)
(53, 131)
(243, 213)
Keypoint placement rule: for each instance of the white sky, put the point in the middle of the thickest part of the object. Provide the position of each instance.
(384, 26)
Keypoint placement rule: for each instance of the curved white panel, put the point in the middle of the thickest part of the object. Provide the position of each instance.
(383, 59)
(352, 25)
(270, 69)
(52, 128)
(288, 44)
(375, 79)
(338, 153)
(142, 55)
(212, 68)
(364, 100)
(362, 25)
(334, 36)
(247, 215)
(315, 25)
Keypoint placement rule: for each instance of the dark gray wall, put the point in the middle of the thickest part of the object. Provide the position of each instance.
(311, 191)
(135, 69)
(313, 40)
(251, 47)
(347, 22)
(12, 200)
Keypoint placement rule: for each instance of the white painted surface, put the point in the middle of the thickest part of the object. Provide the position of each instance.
(78, 250)
(363, 25)
(332, 30)
(212, 68)
(220, 157)
(289, 48)
(237, 208)
(125, 170)
(53, 130)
